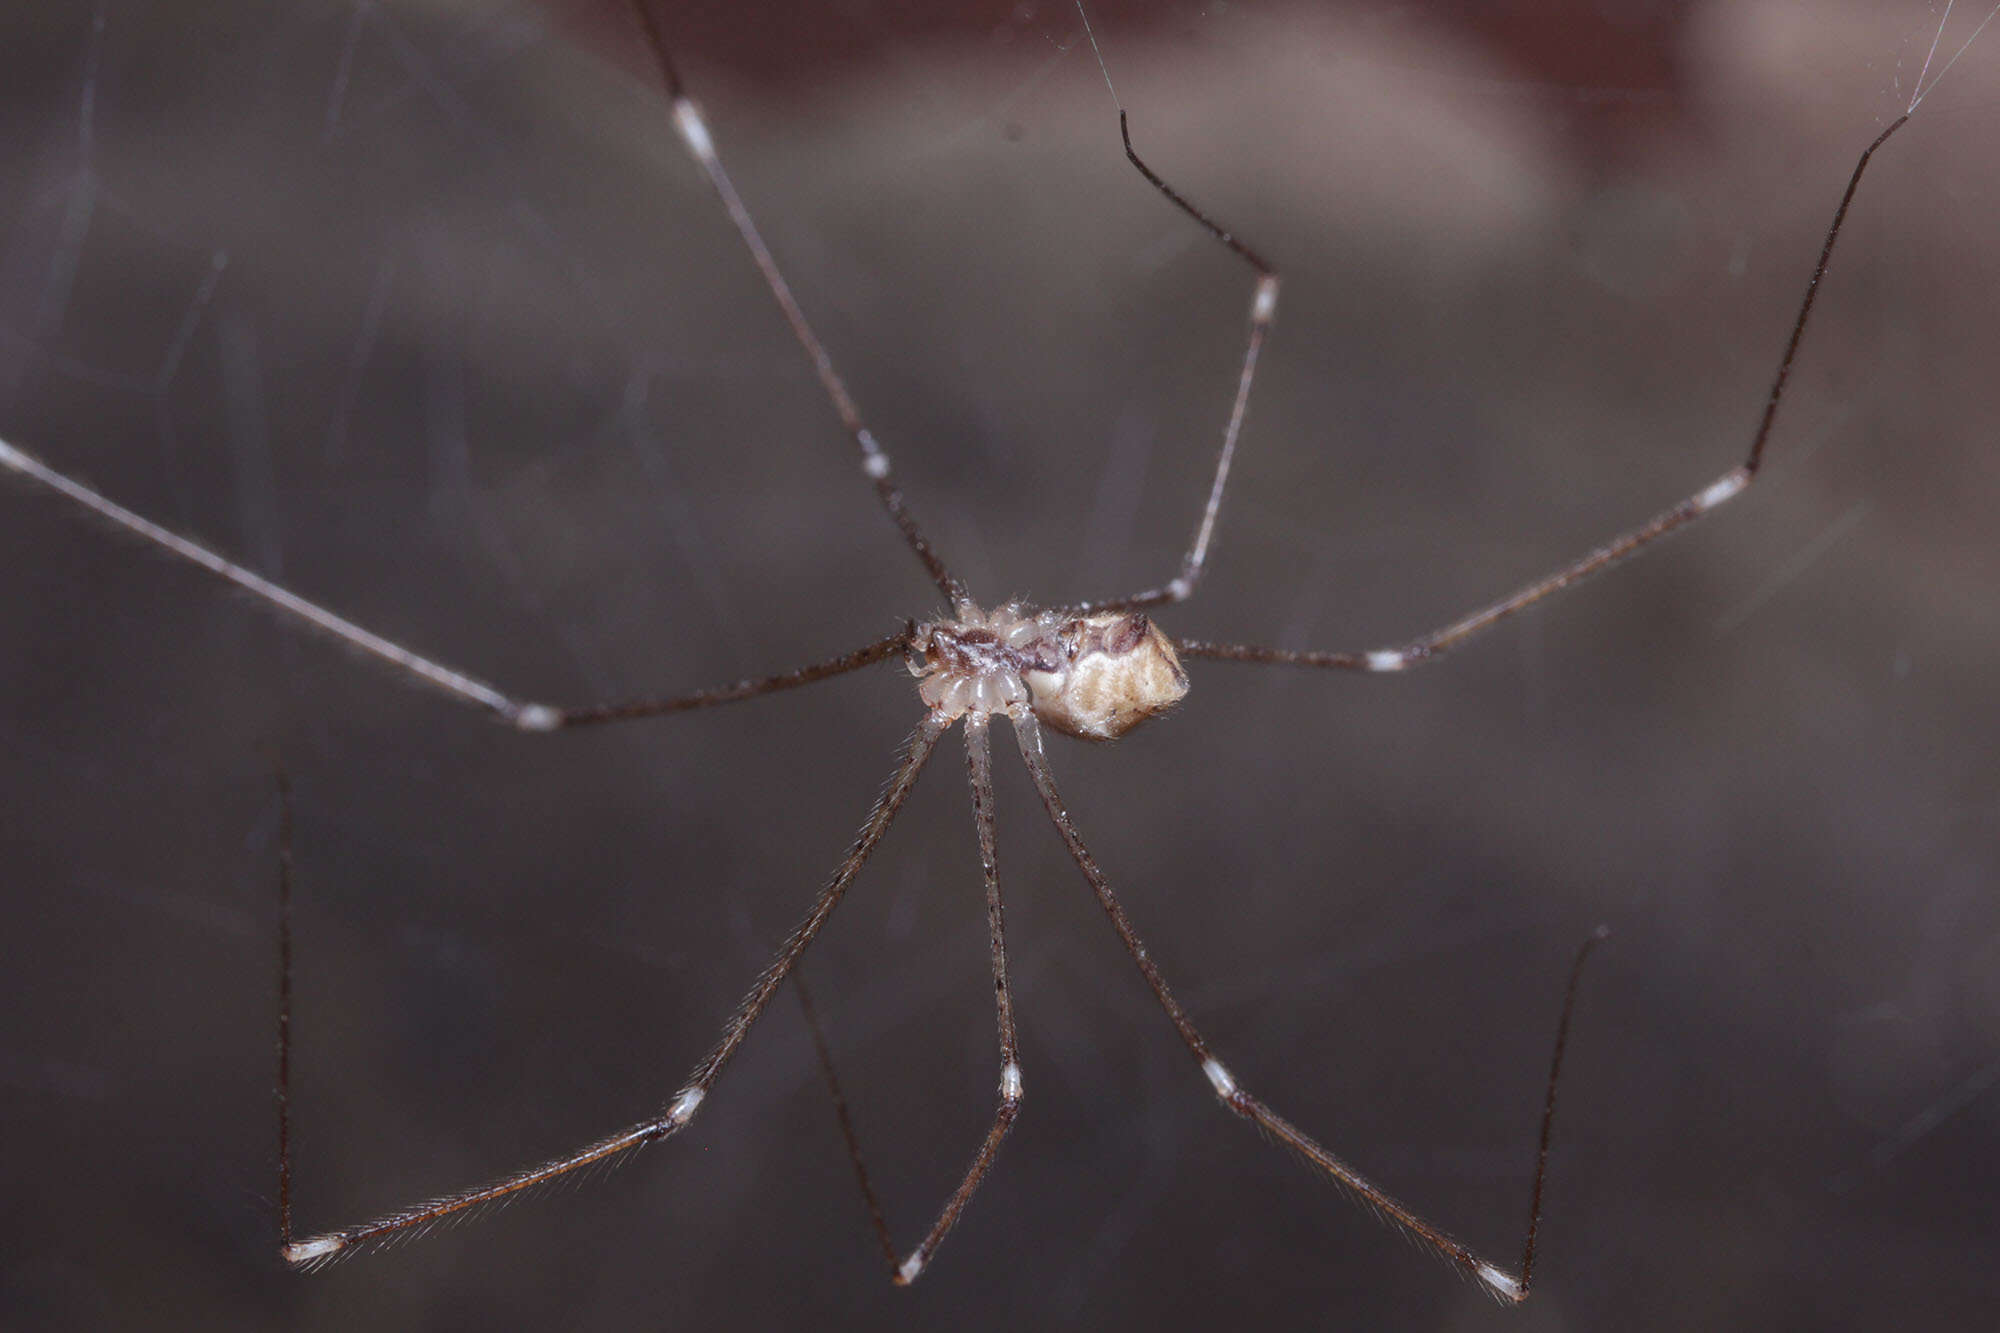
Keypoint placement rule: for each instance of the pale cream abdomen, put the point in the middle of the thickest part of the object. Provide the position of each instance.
(1121, 671)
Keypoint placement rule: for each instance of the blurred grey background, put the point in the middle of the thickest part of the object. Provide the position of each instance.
(483, 367)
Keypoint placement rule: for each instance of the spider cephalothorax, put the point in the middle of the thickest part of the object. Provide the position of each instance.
(1091, 676)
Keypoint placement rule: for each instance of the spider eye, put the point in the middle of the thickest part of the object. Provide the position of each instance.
(1120, 670)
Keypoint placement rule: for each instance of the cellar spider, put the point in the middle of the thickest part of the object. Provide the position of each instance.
(1713, 495)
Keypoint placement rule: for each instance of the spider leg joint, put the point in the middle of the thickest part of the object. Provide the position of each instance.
(1503, 1284)
(308, 1251)
(685, 1106)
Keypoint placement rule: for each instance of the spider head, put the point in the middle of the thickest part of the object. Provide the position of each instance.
(1108, 673)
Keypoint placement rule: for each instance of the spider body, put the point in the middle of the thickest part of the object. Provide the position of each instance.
(1093, 676)
(1093, 671)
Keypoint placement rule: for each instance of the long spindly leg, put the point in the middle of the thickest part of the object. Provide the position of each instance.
(874, 462)
(1509, 1287)
(319, 1249)
(283, 1094)
(848, 1136)
(979, 765)
(1724, 488)
(522, 713)
(1263, 306)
